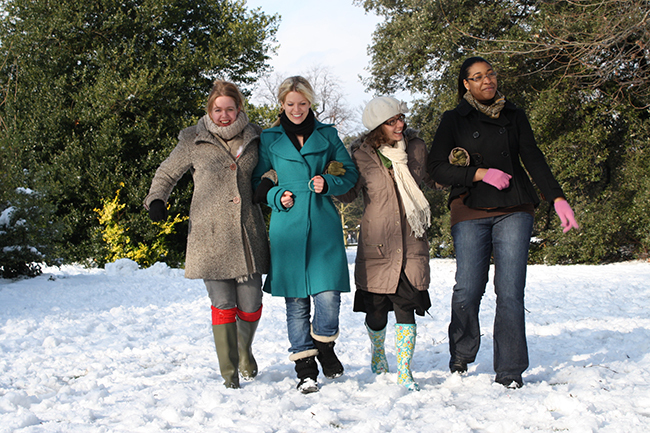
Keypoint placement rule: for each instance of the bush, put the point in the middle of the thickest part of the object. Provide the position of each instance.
(26, 235)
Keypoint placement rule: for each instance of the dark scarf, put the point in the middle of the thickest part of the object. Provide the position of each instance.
(493, 110)
(305, 128)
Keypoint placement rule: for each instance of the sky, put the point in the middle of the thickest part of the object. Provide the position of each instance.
(334, 34)
(129, 350)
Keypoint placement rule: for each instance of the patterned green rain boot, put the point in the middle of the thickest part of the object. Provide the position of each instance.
(405, 343)
(378, 362)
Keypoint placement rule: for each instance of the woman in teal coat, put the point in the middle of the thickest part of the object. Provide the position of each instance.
(308, 260)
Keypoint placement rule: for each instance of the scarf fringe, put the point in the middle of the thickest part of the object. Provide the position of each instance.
(416, 205)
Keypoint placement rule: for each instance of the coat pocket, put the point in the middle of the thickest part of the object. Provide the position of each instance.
(373, 238)
(373, 250)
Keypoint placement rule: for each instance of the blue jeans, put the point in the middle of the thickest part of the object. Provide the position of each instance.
(325, 322)
(507, 238)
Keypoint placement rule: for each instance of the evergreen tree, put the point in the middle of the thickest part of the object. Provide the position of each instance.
(580, 69)
(94, 95)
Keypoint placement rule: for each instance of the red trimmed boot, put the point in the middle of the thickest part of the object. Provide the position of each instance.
(246, 327)
(224, 329)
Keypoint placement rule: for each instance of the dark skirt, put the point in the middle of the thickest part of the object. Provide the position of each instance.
(406, 298)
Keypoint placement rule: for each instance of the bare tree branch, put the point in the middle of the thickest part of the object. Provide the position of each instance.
(603, 45)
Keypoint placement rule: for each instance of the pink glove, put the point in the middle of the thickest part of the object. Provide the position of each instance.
(497, 178)
(566, 215)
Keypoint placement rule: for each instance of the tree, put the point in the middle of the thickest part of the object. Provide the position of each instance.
(94, 94)
(578, 68)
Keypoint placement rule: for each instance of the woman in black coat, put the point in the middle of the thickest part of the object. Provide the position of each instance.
(477, 150)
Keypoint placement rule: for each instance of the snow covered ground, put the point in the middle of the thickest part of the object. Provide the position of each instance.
(131, 350)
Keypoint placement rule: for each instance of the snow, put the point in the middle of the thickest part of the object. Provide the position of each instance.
(124, 349)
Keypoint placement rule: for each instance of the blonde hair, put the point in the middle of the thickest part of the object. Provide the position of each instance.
(225, 88)
(295, 84)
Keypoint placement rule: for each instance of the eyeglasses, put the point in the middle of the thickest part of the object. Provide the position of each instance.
(490, 75)
(394, 120)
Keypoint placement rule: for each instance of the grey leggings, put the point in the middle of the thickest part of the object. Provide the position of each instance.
(227, 294)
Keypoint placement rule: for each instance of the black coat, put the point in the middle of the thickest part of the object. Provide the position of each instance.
(492, 143)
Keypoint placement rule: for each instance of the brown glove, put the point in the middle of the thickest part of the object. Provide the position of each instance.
(459, 156)
(334, 168)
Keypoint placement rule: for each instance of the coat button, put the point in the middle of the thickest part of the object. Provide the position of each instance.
(504, 154)
(233, 166)
(502, 130)
(399, 250)
(475, 134)
(235, 200)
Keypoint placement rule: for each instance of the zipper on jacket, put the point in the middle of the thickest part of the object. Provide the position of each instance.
(378, 246)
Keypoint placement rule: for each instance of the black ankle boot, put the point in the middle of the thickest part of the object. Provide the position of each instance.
(332, 367)
(307, 371)
(457, 366)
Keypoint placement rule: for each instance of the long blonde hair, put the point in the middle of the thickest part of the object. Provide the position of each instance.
(294, 84)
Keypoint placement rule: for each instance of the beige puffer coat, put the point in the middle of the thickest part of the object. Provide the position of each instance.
(385, 242)
(227, 235)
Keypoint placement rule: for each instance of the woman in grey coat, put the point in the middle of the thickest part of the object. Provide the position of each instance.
(227, 245)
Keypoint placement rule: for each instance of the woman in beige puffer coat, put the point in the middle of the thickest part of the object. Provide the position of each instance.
(227, 244)
(392, 264)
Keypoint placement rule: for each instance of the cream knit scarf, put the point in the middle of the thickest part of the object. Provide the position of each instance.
(227, 133)
(415, 203)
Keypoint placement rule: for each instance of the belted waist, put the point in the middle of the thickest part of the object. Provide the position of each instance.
(297, 186)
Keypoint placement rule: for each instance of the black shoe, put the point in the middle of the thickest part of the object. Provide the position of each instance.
(332, 367)
(307, 371)
(307, 386)
(510, 382)
(457, 366)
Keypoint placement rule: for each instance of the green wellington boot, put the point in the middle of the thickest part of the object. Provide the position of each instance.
(245, 334)
(225, 341)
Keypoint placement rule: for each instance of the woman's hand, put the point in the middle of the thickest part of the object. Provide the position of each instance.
(493, 176)
(287, 199)
(565, 213)
(319, 184)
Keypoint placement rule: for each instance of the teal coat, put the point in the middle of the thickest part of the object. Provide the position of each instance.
(307, 250)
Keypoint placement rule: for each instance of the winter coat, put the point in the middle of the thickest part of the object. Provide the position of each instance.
(492, 143)
(227, 234)
(386, 245)
(307, 249)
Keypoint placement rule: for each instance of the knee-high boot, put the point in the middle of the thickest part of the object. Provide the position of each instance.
(378, 362)
(246, 327)
(405, 343)
(224, 329)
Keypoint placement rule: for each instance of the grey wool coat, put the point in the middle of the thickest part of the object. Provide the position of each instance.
(227, 235)
(386, 245)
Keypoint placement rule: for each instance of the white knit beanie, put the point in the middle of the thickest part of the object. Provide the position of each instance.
(380, 110)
